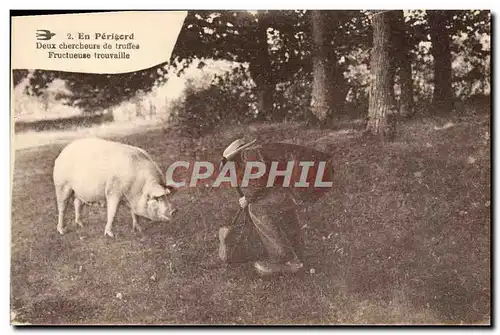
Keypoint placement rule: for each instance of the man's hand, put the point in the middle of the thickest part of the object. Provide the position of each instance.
(243, 202)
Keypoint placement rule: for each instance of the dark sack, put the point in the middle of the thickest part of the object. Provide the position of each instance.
(243, 243)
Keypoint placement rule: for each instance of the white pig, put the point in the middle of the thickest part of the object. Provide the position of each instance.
(94, 170)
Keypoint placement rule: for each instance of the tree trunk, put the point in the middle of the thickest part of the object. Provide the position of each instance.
(380, 113)
(402, 48)
(443, 96)
(265, 98)
(405, 77)
(321, 99)
(339, 89)
(393, 69)
(338, 86)
(261, 71)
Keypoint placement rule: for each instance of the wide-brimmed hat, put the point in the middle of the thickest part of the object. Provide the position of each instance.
(236, 147)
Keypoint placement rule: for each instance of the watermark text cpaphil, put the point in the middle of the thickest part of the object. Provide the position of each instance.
(296, 174)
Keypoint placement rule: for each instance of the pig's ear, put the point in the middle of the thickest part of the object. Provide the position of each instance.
(170, 189)
(156, 191)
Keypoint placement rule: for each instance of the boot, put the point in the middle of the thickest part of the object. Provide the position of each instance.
(266, 268)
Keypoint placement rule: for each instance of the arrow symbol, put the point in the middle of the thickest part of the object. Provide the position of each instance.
(43, 34)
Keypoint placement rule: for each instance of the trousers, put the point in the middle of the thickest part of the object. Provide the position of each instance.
(276, 222)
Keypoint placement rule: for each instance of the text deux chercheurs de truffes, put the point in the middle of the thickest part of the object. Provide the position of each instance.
(115, 46)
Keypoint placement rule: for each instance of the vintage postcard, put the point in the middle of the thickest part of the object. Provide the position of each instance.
(291, 167)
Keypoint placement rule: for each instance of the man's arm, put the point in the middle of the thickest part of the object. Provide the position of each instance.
(257, 188)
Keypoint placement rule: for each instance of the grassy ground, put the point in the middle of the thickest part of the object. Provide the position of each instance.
(404, 237)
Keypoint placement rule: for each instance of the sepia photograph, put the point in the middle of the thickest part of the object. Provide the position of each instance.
(277, 167)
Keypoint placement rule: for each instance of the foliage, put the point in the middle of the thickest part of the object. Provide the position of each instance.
(93, 92)
(18, 76)
(286, 52)
(275, 48)
(226, 100)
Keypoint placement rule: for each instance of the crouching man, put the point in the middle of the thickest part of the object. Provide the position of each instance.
(274, 181)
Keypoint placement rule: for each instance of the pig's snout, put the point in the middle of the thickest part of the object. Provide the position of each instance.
(168, 214)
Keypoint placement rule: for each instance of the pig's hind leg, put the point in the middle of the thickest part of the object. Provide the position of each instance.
(78, 208)
(113, 199)
(63, 192)
(113, 202)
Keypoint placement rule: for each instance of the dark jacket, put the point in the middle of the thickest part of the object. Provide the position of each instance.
(283, 153)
